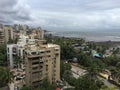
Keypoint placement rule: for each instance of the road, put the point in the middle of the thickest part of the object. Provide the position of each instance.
(106, 82)
(77, 72)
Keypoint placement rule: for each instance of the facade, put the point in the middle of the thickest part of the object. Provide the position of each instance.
(1, 34)
(20, 46)
(37, 34)
(41, 60)
(11, 54)
(8, 32)
(14, 50)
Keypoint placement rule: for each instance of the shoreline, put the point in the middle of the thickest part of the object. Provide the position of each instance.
(87, 36)
(95, 41)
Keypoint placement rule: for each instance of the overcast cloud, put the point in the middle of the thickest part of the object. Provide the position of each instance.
(62, 14)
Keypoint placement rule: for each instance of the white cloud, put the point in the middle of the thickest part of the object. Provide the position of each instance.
(12, 11)
(62, 14)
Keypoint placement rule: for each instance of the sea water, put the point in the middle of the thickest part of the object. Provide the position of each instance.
(89, 35)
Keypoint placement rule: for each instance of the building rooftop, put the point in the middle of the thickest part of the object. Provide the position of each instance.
(52, 45)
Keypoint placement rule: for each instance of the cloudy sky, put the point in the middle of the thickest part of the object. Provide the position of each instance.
(62, 14)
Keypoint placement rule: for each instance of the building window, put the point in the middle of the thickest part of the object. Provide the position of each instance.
(48, 56)
(35, 63)
(56, 49)
(46, 74)
(35, 58)
(33, 53)
(35, 68)
(19, 52)
(41, 52)
(41, 67)
(48, 51)
(57, 54)
(8, 56)
(54, 65)
(46, 67)
(40, 73)
(8, 50)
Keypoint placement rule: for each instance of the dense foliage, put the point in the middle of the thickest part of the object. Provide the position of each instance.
(5, 76)
(3, 59)
(85, 59)
(44, 86)
(86, 83)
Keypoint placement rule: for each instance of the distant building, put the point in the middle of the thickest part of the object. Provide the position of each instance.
(2, 36)
(41, 60)
(37, 34)
(97, 55)
(8, 32)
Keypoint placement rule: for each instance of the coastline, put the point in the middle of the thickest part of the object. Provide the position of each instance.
(88, 36)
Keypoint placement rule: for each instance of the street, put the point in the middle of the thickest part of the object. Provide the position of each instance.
(106, 82)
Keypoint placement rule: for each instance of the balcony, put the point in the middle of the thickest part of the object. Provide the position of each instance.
(36, 78)
(36, 83)
(35, 65)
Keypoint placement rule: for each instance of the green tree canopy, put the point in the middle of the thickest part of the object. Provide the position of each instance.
(5, 76)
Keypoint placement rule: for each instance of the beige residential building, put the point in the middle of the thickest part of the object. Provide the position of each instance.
(37, 34)
(41, 60)
(1, 34)
(8, 32)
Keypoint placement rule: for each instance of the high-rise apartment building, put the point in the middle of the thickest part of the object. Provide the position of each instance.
(14, 50)
(8, 32)
(11, 54)
(1, 34)
(19, 46)
(41, 60)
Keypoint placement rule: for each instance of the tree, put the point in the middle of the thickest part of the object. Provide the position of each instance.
(115, 74)
(25, 88)
(93, 71)
(46, 85)
(83, 59)
(86, 83)
(64, 67)
(118, 65)
(18, 61)
(67, 75)
(3, 55)
(5, 76)
(108, 88)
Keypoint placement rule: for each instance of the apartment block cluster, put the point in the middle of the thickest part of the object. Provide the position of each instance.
(39, 59)
(9, 33)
